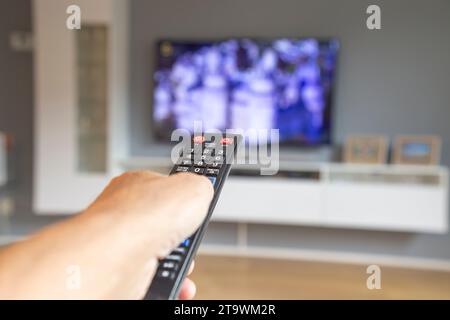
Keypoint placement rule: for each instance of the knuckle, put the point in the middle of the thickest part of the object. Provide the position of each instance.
(196, 183)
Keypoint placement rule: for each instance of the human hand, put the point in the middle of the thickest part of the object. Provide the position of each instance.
(115, 242)
(171, 207)
(188, 288)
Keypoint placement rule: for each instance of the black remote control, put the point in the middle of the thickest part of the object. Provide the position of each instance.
(205, 157)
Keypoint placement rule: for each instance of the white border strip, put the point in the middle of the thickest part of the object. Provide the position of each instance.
(328, 256)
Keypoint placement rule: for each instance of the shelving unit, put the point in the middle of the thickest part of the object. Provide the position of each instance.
(81, 96)
(376, 197)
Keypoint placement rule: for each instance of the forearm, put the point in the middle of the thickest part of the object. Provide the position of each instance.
(94, 248)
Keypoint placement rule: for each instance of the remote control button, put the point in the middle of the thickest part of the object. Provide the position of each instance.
(215, 165)
(207, 151)
(220, 152)
(166, 274)
(198, 170)
(214, 159)
(210, 145)
(169, 265)
(180, 250)
(200, 163)
(182, 169)
(199, 139)
(226, 141)
(212, 172)
(212, 179)
(185, 243)
(185, 162)
(173, 257)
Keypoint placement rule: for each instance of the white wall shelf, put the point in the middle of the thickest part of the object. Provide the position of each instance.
(376, 197)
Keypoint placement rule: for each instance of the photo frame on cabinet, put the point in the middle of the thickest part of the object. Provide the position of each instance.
(417, 150)
(366, 149)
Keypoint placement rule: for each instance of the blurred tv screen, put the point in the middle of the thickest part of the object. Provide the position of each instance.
(246, 84)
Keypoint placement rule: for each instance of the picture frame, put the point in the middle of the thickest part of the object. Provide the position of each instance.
(366, 149)
(417, 150)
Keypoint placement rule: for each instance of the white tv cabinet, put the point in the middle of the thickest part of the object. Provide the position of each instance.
(378, 197)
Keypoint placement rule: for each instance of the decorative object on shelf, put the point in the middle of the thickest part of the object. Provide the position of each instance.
(417, 150)
(365, 149)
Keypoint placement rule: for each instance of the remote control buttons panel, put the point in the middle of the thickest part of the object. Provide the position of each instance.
(206, 158)
(212, 160)
(167, 272)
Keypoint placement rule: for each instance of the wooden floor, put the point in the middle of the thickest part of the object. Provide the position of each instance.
(250, 278)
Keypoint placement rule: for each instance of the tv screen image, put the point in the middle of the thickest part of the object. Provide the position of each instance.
(283, 84)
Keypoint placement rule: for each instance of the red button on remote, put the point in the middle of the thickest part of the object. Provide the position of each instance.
(226, 141)
(199, 139)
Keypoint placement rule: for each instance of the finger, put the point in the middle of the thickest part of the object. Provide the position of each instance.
(191, 268)
(190, 196)
(194, 184)
(188, 290)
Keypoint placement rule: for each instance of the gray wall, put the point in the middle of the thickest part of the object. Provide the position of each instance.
(16, 115)
(16, 96)
(391, 81)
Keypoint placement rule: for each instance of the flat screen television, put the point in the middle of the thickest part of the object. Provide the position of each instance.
(248, 84)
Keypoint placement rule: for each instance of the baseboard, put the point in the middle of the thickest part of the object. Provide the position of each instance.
(328, 256)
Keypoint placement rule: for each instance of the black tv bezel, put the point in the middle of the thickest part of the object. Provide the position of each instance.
(285, 144)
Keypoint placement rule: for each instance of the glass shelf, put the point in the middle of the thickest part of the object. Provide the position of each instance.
(92, 98)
